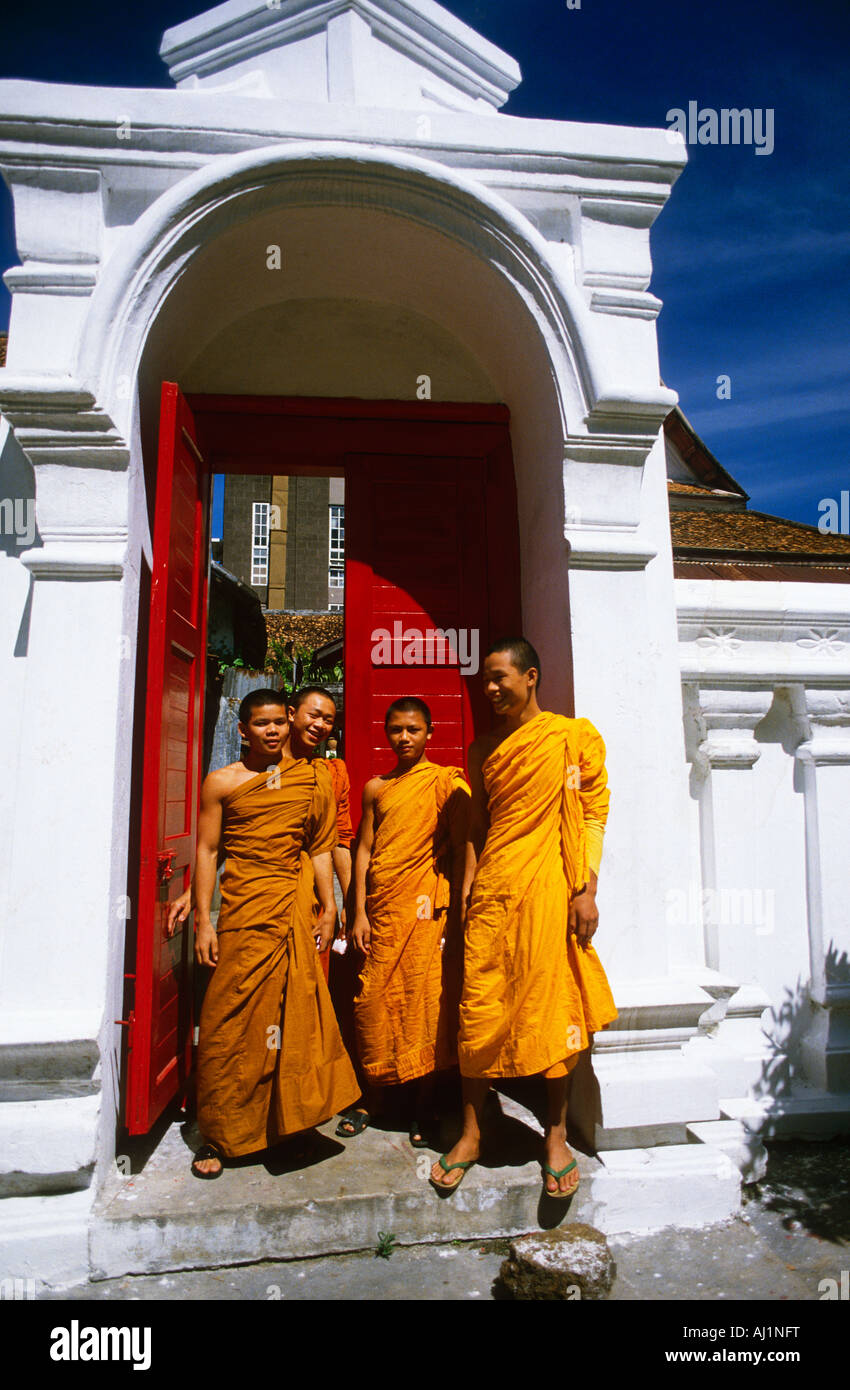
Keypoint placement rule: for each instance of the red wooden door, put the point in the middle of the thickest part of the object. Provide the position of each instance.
(430, 546)
(160, 1032)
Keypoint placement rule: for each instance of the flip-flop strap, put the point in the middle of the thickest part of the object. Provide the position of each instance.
(551, 1171)
(208, 1151)
(447, 1167)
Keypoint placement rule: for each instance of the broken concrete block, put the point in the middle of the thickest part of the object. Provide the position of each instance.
(570, 1264)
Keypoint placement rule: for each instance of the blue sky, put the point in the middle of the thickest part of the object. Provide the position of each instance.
(752, 253)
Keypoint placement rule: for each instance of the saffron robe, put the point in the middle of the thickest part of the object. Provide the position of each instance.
(406, 1013)
(342, 795)
(531, 996)
(270, 1057)
(344, 831)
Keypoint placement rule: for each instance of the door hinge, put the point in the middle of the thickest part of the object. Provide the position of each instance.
(130, 1025)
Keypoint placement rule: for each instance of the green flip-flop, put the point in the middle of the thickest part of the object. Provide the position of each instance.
(447, 1168)
(557, 1175)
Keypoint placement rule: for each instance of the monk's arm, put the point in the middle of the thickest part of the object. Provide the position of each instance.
(342, 865)
(457, 810)
(323, 875)
(345, 835)
(594, 797)
(206, 859)
(361, 931)
(478, 823)
(320, 840)
(182, 906)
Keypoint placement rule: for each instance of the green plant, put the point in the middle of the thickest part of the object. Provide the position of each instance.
(386, 1245)
(279, 660)
(226, 665)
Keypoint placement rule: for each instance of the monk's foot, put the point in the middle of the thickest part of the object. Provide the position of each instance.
(207, 1162)
(558, 1156)
(352, 1122)
(465, 1151)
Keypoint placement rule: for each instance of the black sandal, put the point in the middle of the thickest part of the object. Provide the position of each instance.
(357, 1119)
(204, 1152)
(422, 1131)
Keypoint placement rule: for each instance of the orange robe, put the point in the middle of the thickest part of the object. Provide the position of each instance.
(270, 1058)
(344, 829)
(406, 1012)
(530, 995)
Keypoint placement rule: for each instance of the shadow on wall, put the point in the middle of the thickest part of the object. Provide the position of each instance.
(18, 528)
(807, 1183)
(787, 1026)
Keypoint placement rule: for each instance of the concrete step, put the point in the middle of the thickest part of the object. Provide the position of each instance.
(346, 1192)
(743, 1146)
(163, 1218)
(806, 1113)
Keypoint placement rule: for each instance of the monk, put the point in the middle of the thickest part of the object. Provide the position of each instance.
(311, 715)
(408, 877)
(534, 990)
(312, 718)
(270, 1058)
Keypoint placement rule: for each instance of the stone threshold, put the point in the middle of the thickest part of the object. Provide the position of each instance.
(347, 1192)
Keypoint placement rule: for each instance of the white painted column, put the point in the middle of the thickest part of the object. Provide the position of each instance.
(825, 760)
(737, 904)
(66, 883)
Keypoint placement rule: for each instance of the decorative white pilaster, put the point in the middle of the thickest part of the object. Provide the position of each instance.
(736, 904)
(824, 757)
(67, 873)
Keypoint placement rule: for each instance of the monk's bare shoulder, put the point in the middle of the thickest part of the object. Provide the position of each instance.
(218, 783)
(372, 788)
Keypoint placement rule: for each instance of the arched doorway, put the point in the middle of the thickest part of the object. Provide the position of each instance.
(451, 299)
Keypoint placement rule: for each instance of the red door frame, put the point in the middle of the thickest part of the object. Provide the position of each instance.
(324, 436)
(311, 436)
(159, 1023)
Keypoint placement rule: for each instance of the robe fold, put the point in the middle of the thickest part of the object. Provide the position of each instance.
(406, 1012)
(531, 995)
(338, 774)
(270, 1057)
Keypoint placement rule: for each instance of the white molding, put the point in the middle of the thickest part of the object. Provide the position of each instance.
(636, 304)
(141, 271)
(606, 549)
(429, 36)
(62, 560)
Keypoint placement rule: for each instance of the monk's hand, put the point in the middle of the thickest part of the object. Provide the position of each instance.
(325, 928)
(178, 911)
(361, 934)
(584, 916)
(206, 944)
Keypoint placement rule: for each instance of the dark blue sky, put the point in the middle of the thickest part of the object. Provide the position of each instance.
(751, 254)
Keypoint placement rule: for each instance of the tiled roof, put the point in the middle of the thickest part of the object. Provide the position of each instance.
(756, 533)
(689, 488)
(4, 338)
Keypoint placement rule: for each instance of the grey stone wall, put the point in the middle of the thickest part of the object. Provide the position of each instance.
(307, 544)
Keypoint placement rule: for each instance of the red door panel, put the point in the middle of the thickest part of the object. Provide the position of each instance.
(420, 538)
(160, 1034)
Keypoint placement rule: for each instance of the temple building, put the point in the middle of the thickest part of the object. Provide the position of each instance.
(328, 262)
